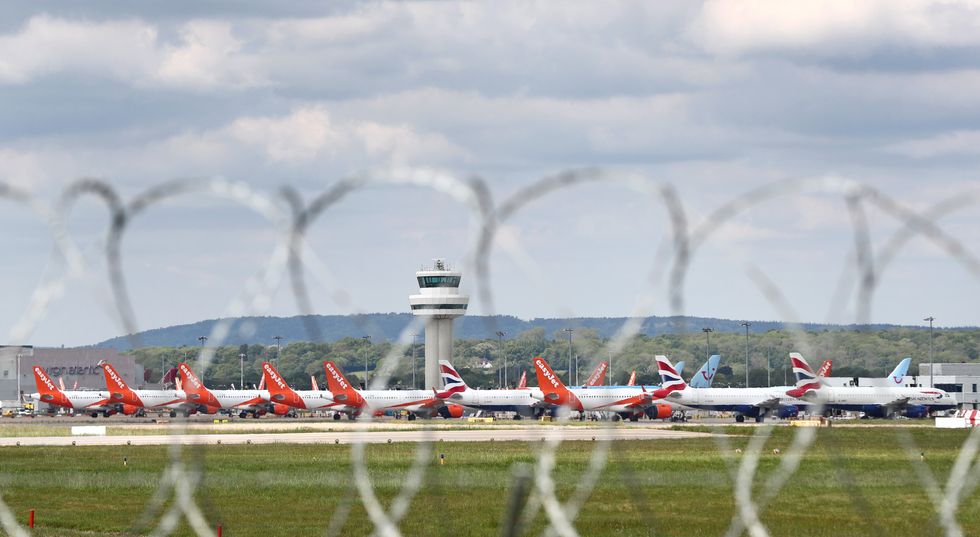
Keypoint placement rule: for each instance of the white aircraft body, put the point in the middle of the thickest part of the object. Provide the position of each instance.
(353, 402)
(281, 394)
(247, 402)
(630, 402)
(744, 402)
(880, 402)
(121, 394)
(80, 401)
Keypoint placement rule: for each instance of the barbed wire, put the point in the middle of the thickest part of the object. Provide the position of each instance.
(294, 262)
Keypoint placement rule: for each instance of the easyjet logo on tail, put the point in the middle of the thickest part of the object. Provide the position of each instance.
(44, 378)
(336, 376)
(111, 373)
(275, 376)
(546, 371)
(189, 375)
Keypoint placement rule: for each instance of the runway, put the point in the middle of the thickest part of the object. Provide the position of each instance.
(499, 434)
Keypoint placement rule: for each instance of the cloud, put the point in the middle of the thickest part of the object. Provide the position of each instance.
(21, 169)
(306, 138)
(45, 45)
(833, 27)
(207, 55)
(956, 143)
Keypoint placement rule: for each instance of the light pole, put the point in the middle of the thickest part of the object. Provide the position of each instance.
(203, 340)
(569, 331)
(367, 339)
(18, 381)
(707, 344)
(278, 348)
(769, 366)
(241, 374)
(415, 335)
(503, 355)
(746, 324)
(932, 365)
(609, 355)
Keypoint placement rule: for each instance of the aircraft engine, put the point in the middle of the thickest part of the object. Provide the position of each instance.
(659, 412)
(916, 411)
(451, 411)
(788, 411)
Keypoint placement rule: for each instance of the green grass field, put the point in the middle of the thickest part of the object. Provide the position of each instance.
(663, 487)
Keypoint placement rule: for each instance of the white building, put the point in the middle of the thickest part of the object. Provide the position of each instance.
(440, 303)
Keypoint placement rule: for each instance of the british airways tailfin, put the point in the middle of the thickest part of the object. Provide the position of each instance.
(452, 381)
(705, 375)
(668, 374)
(807, 382)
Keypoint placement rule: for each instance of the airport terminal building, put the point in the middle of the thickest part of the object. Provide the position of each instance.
(75, 366)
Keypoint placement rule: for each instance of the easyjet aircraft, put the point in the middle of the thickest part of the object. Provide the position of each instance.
(521, 384)
(354, 402)
(598, 376)
(82, 402)
(247, 402)
(121, 395)
(281, 394)
(626, 402)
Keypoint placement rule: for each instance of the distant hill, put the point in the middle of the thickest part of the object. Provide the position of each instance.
(387, 326)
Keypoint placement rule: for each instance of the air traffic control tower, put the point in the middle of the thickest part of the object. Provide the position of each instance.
(440, 303)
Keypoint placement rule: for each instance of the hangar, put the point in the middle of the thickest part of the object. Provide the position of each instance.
(80, 364)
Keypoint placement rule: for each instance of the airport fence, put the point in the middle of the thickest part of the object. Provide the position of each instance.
(293, 262)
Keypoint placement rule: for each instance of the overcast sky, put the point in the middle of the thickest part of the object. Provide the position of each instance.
(715, 99)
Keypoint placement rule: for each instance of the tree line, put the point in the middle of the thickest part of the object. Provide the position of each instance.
(480, 361)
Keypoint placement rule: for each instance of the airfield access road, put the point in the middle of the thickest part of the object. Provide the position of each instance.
(527, 434)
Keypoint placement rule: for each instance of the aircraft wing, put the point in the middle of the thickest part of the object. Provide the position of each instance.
(896, 403)
(772, 402)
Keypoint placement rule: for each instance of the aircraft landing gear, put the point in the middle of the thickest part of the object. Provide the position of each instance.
(739, 418)
(336, 416)
(760, 418)
(411, 417)
(634, 418)
(243, 414)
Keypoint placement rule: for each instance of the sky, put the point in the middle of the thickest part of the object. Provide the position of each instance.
(710, 100)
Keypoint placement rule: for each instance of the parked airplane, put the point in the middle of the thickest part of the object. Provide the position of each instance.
(418, 403)
(744, 402)
(598, 376)
(625, 402)
(704, 376)
(522, 384)
(281, 394)
(872, 401)
(121, 395)
(82, 402)
(524, 401)
(247, 402)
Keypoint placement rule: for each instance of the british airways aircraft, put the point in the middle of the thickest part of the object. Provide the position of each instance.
(875, 402)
